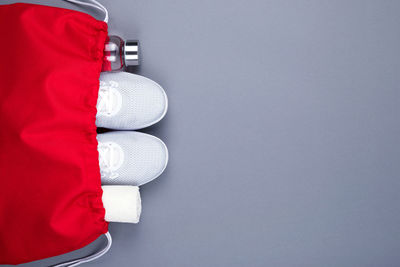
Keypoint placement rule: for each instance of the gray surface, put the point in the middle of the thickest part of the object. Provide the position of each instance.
(283, 132)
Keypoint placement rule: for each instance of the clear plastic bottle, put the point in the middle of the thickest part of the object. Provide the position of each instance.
(119, 54)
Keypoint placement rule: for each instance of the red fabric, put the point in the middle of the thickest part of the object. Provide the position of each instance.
(50, 188)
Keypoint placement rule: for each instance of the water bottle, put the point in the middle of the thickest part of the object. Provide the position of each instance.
(119, 54)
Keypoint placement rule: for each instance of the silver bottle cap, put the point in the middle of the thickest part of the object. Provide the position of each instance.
(131, 53)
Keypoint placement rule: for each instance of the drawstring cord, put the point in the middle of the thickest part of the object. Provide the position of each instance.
(88, 258)
(92, 3)
(76, 262)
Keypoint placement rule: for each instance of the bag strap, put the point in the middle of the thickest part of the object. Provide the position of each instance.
(92, 3)
(90, 258)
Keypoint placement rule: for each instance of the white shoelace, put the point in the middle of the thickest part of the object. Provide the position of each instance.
(110, 159)
(104, 103)
(110, 100)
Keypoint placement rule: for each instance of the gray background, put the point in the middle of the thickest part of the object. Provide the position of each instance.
(283, 131)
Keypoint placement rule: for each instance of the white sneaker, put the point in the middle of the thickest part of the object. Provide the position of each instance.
(128, 101)
(130, 158)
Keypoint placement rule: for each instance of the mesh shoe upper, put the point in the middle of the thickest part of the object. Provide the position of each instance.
(144, 158)
(128, 101)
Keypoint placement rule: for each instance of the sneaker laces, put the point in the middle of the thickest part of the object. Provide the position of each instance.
(108, 101)
(110, 159)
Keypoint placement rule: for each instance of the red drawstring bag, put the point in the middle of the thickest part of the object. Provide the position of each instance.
(50, 188)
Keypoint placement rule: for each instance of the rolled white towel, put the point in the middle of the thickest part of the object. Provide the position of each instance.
(122, 203)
